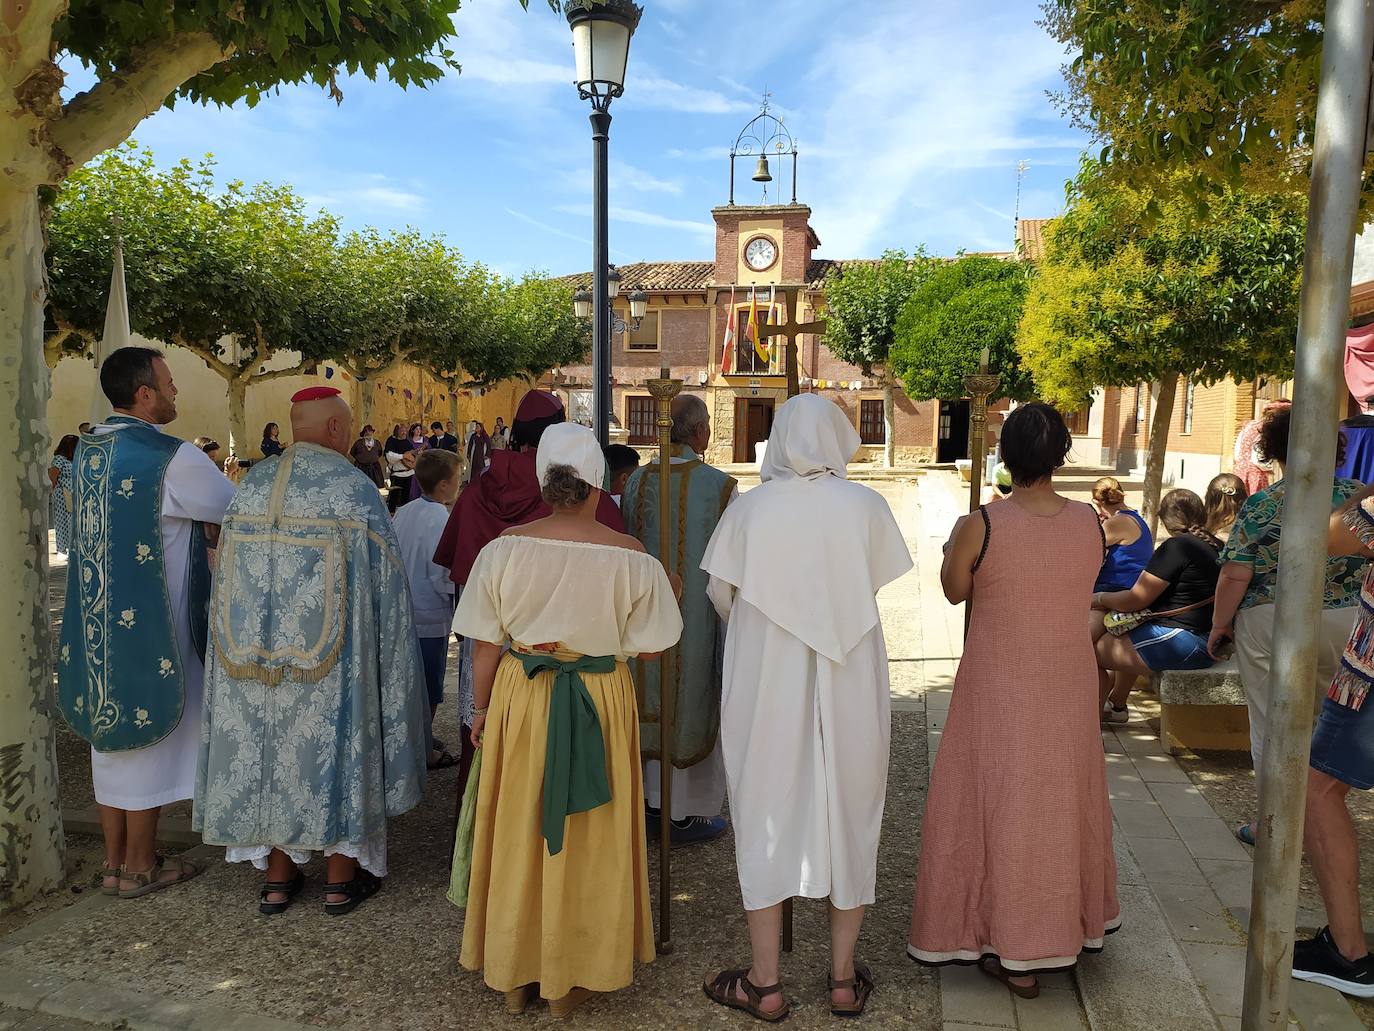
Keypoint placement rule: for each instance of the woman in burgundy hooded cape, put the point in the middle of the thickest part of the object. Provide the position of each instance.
(507, 494)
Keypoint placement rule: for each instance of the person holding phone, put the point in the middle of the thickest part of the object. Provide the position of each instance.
(1244, 607)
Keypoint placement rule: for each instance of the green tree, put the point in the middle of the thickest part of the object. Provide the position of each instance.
(1135, 288)
(965, 306)
(143, 55)
(235, 275)
(1225, 94)
(862, 302)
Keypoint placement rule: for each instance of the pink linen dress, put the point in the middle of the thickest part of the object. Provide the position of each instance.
(1016, 849)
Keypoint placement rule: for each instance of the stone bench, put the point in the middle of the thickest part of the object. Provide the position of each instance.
(1203, 709)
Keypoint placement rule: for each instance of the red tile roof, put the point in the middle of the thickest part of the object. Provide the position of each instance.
(1030, 238)
(655, 275)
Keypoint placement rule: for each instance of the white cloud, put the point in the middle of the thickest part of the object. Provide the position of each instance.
(627, 177)
(905, 120)
(366, 194)
(643, 218)
(531, 220)
(656, 91)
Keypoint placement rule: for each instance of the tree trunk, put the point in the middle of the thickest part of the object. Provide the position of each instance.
(367, 389)
(889, 424)
(238, 417)
(31, 846)
(1159, 444)
(453, 409)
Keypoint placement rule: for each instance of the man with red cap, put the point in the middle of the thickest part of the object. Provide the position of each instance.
(507, 494)
(315, 706)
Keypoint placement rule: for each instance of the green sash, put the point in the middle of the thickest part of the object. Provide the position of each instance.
(575, 756)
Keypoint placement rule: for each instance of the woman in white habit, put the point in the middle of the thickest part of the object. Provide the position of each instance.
(795, 566)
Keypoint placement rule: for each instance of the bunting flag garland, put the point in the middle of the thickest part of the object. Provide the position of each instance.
(328, 372)
(346, 376)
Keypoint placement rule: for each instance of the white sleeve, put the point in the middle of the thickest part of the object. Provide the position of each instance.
(195, 488)
(437, 575)
(722, 595)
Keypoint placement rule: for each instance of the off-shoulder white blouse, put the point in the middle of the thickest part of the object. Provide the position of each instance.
(593, 599)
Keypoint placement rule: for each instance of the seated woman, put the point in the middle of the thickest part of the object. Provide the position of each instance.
(1181, 580)
(1225, 494)
(1129, 543)
(558, 897)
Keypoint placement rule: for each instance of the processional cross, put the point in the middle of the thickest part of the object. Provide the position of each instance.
(789, 330)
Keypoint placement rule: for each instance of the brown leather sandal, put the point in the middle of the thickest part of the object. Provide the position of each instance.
(148, 881)
(723, 990)
(862, 985)
(992, 966)
(109, 871)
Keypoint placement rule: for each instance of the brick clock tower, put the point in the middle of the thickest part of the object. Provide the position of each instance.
(757, 247)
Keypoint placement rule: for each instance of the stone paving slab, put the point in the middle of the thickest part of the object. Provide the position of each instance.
(1141, 980)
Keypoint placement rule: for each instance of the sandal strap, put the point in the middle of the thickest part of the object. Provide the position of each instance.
(862, 977)
(142, 878)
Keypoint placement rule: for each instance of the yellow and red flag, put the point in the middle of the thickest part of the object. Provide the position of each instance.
(760, 348)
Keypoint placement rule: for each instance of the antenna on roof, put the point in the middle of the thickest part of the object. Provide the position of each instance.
(1021, 167)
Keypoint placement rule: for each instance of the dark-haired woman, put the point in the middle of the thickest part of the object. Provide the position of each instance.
(1014, 885)
(1181, 575)
(271, 440)
(1244, 610)
(60, 503)
(367, 456)
(558, 897)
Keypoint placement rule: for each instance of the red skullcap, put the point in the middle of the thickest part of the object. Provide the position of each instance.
(538, 404)
(314, 394)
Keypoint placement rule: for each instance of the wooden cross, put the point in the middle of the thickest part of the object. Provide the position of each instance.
(789, 331)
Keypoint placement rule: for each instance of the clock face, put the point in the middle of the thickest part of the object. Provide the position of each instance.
(760, 253)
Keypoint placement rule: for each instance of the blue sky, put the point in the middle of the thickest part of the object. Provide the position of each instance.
(910, 117)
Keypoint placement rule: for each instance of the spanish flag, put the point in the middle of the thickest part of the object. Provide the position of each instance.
(760, 348)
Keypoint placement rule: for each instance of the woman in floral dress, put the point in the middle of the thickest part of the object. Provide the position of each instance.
(60, 503)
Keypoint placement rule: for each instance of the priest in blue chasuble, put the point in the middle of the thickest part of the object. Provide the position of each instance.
(315, 702)
(145, 507)
(698, 497)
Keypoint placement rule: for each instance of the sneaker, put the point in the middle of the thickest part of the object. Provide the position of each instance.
(1318, 960)
(696, 829)
(1111, 714)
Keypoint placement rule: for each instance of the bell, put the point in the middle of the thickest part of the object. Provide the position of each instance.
(761, 173)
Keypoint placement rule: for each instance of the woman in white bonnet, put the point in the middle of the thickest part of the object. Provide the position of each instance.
(558, 899)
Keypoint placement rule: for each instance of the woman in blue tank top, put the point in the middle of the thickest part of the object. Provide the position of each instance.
(1129, 542)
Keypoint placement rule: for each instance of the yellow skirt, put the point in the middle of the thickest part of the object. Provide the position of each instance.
(580, 918)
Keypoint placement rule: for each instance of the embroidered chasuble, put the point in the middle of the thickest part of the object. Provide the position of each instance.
(121, 675)
(315, 704)
(696, 501)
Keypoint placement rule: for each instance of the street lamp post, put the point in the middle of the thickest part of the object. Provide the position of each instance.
(601, 45)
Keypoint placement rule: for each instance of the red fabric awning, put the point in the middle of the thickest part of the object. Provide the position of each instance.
(1359, 362)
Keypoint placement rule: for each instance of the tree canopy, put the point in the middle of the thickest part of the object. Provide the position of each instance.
(1224, 92)
(1134, 288)
(964, 306)
(863, 300)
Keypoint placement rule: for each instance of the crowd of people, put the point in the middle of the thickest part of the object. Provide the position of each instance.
(277, 649)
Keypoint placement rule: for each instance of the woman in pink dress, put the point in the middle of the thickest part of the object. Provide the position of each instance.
(1017, 872)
